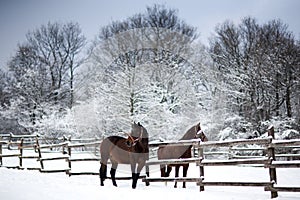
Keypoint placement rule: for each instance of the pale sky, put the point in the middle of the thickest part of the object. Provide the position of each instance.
(17, 17)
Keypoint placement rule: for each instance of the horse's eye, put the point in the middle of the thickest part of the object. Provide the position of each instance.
(128, 143)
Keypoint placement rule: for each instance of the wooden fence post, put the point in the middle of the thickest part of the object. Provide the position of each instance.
(63, 147)
(21, 153)
(271, 154)
(40, 153)
(1, 151)
(9, 141)
(69, 160)
(201, 167)
(36, 143)
(96, 147)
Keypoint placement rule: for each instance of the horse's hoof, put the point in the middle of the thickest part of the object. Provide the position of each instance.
(101, 184)
(115, 185)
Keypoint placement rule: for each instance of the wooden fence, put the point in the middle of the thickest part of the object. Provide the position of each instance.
(19, 142)
(61, 149)
(266, 155)
(267, 160)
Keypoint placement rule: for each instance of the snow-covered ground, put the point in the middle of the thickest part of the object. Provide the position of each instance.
(33, 185)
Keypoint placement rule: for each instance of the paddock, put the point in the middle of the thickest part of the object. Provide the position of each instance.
(81, 157)
(34, 185)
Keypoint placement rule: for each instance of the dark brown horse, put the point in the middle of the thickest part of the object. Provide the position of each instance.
(133, 150)
(175, 152)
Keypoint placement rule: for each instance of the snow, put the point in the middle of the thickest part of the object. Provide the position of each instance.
(289, 134)
(33, 185)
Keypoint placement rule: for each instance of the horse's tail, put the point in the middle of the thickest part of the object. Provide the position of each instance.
(104, 150)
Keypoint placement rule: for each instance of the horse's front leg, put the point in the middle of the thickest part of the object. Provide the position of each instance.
(113, 173)
(133, 167)
(138, 171)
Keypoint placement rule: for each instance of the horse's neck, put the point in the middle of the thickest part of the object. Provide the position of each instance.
(137, 133)
(189, 134)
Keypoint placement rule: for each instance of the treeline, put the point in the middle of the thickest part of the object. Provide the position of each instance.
(151, 67)
(259, 66)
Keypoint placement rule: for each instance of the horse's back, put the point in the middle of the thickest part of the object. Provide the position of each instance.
(108, 142)
(171, 152)
(107, 145)
(115, 148)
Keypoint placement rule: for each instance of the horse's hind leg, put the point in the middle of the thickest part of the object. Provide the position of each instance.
(113, 173)
(103, 171)
(162, 170)
(148, 174)
(176, 174)
(169, 169)
(104, 157)
(185, 169)
(147, 171)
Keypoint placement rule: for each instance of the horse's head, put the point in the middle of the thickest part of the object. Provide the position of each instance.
(199, 133)
(138, 131)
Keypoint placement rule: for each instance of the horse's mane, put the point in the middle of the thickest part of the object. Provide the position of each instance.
(115, 138)
(190, 134)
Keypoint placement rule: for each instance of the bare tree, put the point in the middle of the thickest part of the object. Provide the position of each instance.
(57, 47)
(43, 70)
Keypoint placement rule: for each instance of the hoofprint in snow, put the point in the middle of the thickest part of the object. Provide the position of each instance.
(33, 185)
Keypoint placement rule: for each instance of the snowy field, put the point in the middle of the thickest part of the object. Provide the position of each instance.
(33, 185)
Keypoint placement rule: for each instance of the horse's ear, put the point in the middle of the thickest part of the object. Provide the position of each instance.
(139, 124)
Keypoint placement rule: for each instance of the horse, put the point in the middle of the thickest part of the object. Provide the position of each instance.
(133, 150)
(175, 152)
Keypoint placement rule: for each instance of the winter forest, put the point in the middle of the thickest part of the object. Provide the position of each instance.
(151, 68)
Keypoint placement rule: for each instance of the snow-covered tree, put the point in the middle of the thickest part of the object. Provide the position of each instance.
(141, 71)
(258, 68)
(43, 73)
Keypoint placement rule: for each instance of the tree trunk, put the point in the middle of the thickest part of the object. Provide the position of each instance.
(288, 102)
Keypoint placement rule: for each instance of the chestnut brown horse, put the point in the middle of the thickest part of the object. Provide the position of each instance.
(132, 150)
(175, 152)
